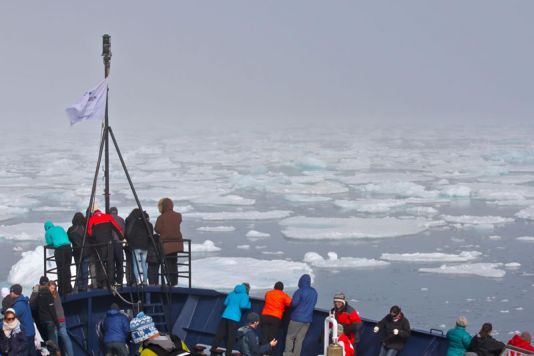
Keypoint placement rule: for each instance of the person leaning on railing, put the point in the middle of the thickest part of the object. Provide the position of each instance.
(168, 227)
(56, 237)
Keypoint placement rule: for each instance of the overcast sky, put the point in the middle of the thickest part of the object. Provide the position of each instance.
(271, 61)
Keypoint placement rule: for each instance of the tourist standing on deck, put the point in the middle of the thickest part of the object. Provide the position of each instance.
(80, 251)
(249, 340)
(484, 344)
(459, 338)
(24, 314)
(303, 304)
(234, 303)
(57, 237)
(395, 330)
(13, 342)
(168, 228)
(116, 330)
(99, 229)
(139, 240)
(153, 259)
(348, 317)
(60, 325)
(118, 252)
(276, 302)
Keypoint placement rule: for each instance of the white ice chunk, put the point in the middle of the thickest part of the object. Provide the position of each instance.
(370, 205)
(427, 211)
(216, 228)
(326, 187)
(456, 191)
(525, 238)
(206, 246)
(478, 269)
(431, 257)
(29, 268)
(240, 215)
(301, 227)
(9, 212)
(527, 213)
(401, 189)
(26, 231)
(297, 198)
(226, 272)
(512, 265)
(333, 261)
(254, 233)
(243, 247)
(223, 200)
(476, 220)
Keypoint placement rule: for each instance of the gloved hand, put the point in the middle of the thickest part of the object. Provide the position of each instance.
(395, 331)
(375, 329)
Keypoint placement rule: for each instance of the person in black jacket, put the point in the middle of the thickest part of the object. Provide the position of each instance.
(13, 342)
(395, 330)
(484, 344)
(47, 312)
(249, 340)
(80, 251)
(138, 238)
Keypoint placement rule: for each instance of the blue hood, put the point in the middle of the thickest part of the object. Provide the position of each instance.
(305, 281)
(240, 289)
(48, 225)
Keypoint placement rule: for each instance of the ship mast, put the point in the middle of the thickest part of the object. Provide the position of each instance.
(106, 53)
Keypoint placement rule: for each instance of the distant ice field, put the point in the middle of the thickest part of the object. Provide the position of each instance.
(438, 221)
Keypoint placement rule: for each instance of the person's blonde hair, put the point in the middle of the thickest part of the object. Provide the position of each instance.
(52, 283)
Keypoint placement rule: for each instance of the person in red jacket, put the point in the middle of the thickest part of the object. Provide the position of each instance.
(276, 301)
(344, 341)
(348, 317)
(522, 341)
(99, 229)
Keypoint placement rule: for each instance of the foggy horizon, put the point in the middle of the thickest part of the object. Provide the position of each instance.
(261, 64)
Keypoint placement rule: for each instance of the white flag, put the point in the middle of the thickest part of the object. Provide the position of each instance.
(91, 106)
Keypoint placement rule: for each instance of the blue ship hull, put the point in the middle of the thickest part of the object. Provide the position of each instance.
(193, 314)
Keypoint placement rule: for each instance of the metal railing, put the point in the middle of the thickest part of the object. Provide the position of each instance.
(515, 351)
(183, 263)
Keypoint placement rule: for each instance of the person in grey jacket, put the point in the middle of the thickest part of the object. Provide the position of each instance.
(249, 340)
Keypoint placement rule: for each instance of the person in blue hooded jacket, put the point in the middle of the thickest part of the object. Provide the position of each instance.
(116, 329)
(303, 304)
(235, 302)
(24, 315)
(57, 237)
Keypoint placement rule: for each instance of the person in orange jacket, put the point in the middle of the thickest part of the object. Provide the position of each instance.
(276, 301)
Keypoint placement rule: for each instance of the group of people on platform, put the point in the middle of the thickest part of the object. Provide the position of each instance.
(100, 241)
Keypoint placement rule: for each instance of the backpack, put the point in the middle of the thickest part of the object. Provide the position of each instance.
(180, 348)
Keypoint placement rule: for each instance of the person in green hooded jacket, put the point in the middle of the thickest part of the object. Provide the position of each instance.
(459, 338)
(56, 237)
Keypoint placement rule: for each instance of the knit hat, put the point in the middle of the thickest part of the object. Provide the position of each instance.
(253, 317)
(10, 310)
(16, 288)
(462, 321)
(142, 328)
(43, 280)
(340, 297)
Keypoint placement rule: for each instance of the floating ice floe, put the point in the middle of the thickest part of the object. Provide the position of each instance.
(272, 252)
(370, 205)
(326, 187)
(298, 198)
(431, 257)
(243, 247)
(421, 211)
(223, 200)
(206, 246)
(495, 237)
(491, 270)
(469, 220)
(310, 163)
(9, 212)
(216, 228)
(226, 272)
(307, 228)
(456, 191)
(525, 238)
(240, 215)
(254, 233)
(26, 231)
(527, 213)
(512, 265)
(333, 261)
(401, 189)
